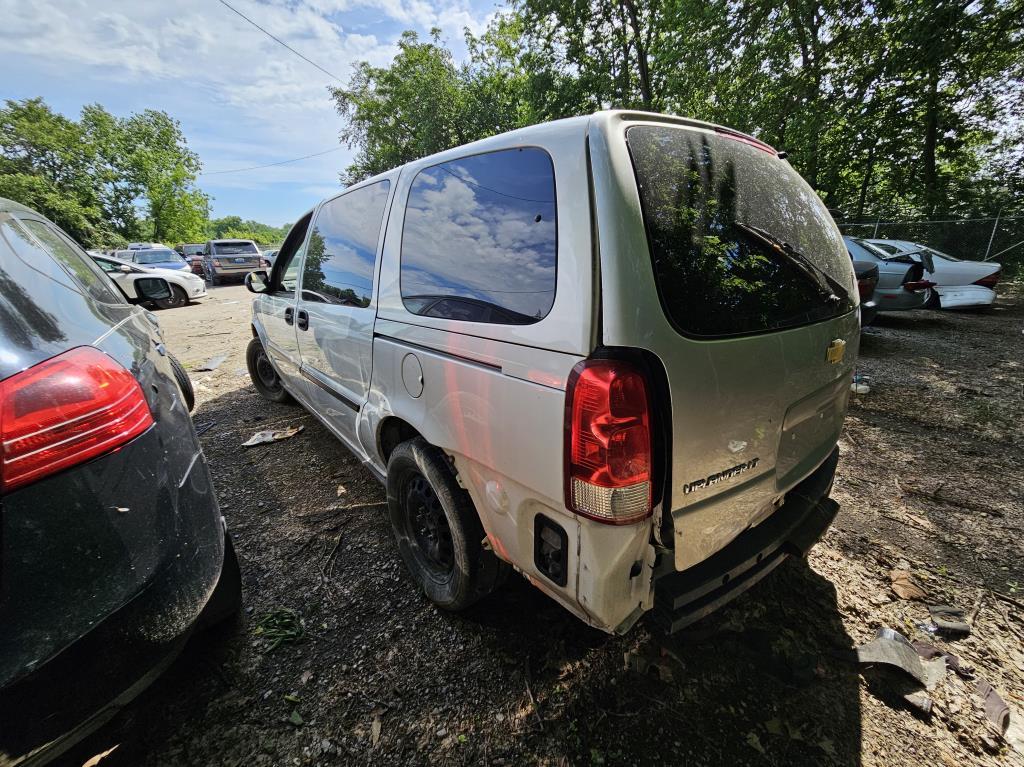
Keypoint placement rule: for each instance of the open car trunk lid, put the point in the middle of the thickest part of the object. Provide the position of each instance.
(732, 273)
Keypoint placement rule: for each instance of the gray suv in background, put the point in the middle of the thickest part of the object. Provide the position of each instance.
(611, 353)
(230, 259)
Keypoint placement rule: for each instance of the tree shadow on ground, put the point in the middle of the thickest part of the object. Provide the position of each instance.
(766, 680)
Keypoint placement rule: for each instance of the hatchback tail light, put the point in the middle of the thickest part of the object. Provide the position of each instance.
(991, 281)
(608, 443)
(65, 411)
(866, 287)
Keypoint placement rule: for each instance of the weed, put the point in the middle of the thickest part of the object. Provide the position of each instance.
(279, 626)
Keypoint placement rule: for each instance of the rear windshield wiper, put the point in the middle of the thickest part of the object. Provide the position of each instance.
(829, 285)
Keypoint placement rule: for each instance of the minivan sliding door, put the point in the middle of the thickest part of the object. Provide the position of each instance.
(335, 312)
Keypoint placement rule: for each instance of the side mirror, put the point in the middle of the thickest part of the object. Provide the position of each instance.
(151, 289)
(257, 282)
(125, 268)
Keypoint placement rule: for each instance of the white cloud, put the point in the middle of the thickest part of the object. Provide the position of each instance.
(242, 98)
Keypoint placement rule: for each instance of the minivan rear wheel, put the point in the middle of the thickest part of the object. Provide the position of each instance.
(437, 529)
(263, 375)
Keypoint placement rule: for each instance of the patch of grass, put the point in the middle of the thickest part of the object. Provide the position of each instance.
(278, 627)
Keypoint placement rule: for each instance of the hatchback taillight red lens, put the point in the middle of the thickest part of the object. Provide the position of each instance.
(608, 443)
(989, 282)
(64, 411)
(866, 287)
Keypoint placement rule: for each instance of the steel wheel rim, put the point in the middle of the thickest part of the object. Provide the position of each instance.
(428, 527)
(266, 373)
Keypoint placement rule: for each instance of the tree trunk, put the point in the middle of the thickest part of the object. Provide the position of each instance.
(931, 135)
(866, 181)
(643, 70)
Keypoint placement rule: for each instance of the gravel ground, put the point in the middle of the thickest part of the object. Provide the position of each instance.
(339, 661)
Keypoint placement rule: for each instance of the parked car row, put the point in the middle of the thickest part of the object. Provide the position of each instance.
(914, 276)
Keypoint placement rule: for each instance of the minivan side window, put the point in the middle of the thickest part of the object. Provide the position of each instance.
(479, 240)
(342, 247)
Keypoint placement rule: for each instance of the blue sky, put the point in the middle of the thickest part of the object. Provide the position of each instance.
(242, 99)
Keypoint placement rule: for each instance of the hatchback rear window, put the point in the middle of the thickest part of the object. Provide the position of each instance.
(740, 243)
(233, 248)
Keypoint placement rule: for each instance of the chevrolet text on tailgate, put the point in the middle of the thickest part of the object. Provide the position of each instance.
(611, 353)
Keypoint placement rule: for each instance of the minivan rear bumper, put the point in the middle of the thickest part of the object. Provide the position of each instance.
(681, 598)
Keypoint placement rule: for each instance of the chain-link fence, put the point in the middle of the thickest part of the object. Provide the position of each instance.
(976, 239)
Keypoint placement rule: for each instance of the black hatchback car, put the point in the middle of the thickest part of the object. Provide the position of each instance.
(112, 546)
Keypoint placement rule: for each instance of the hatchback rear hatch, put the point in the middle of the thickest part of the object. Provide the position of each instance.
(719, 260)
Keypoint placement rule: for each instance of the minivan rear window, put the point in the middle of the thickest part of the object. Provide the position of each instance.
(740, 243)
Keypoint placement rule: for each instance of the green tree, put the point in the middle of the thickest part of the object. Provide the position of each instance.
(102, 178)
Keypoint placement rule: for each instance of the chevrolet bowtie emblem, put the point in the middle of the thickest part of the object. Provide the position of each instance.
(835, 351)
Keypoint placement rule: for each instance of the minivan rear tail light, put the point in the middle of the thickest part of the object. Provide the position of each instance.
(991, 281)
(608, 443)
(65, 411)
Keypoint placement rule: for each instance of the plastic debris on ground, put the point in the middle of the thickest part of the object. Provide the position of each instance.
(949, 619)
(275, 435)
(891, 648)
(860, 384)
(996, 710)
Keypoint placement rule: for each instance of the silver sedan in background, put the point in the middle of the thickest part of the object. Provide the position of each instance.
(901, 278)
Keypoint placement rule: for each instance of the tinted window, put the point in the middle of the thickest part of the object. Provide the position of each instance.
(155, 256)
(108, 266)
(81, 267)
(479, 239)
(342, 247)
(233, 248)
(740, 243)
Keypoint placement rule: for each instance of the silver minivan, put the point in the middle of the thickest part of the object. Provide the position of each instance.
(612, 353)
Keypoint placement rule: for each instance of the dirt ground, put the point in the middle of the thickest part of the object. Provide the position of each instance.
(340, 661)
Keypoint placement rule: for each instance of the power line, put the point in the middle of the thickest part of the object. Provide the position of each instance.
(282, 42)
(271, 164)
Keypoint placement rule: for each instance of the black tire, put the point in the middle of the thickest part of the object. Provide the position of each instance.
(933, 302)
(177, 298)
(184, 382)
(437, 528)
(263, 375)
(225, 603)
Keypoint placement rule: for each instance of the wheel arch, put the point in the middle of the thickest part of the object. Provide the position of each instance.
(392, 432)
